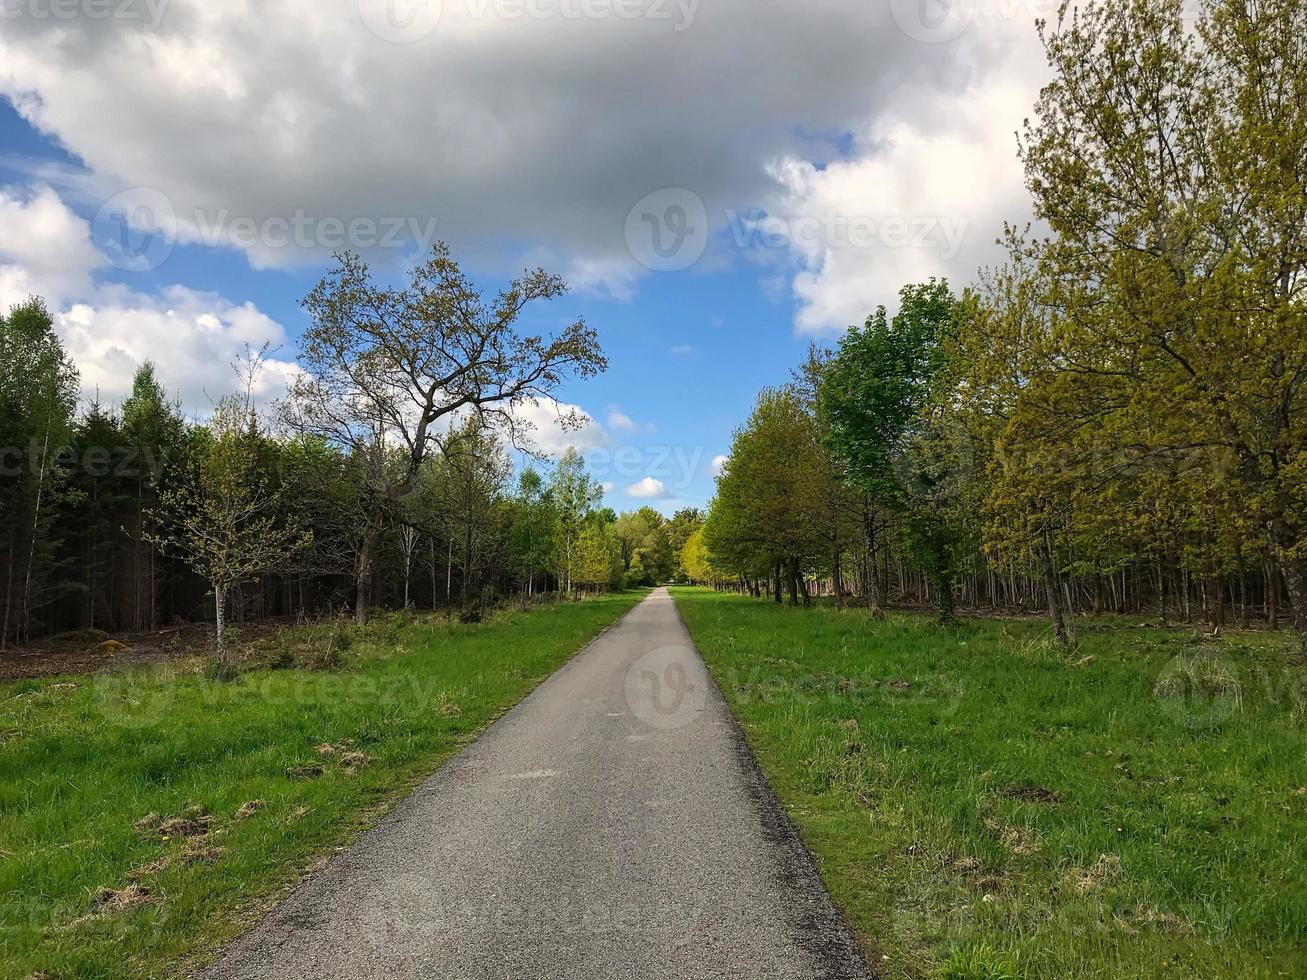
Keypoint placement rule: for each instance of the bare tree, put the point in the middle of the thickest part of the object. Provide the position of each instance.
(394, 367)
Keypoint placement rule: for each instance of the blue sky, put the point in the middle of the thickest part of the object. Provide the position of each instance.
(814, 181)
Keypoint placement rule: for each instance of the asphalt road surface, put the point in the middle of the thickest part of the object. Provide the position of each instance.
(613, 825)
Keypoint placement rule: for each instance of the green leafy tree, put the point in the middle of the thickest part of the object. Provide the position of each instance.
(387, 367)
(765, 516)
(531, 537)
(38, 393)
(575, 496)
(878, 393)
(225, 522)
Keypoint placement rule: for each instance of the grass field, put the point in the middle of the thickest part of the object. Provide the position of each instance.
(983, 805)
(145, 818)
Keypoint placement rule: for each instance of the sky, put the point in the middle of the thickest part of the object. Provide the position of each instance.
(722, 182)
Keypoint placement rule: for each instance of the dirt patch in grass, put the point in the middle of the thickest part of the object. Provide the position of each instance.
(352, 762)
(199, 850)
(1031, 794)
(150, 868)
(112, 901)
(247, 810)
(193, 822)
(1103, 872)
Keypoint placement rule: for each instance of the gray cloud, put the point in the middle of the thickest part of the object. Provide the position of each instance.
(515, 133)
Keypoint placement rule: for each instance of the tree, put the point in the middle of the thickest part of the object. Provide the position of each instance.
(575, 495)
(645, 546)
(152, 430)
(679, 529)
(764, 518)
(468, 483)
(597, 561)
(695, 558)
(384, 367)
(878, 392)
(38, 392)
(1169, 165)
(225, 522)
(531, 541)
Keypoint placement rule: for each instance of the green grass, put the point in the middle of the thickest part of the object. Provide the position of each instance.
(983, 805)
(82, 765)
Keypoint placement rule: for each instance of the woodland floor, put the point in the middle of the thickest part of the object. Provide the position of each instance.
(91, 651)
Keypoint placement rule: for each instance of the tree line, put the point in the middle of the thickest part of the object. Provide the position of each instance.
(1114, 419)
(385, 477)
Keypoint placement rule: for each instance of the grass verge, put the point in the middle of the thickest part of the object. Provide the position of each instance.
(983, 805)
(147, 817)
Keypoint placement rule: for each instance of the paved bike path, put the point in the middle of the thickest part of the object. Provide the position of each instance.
(612, 825)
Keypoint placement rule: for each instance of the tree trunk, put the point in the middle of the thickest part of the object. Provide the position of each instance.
(777, 584)
(876, 596)
(1051, 591)
(1273, 595)
(467, 561)
(26, 624)
(9, 593)
(449, 570)
(220, 619)
(1295, 581)
(433, 571)
(363, 578)
(944, 602)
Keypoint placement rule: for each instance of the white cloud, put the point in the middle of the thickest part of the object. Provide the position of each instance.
(648, 489)
(552, 432)
(619, 421)
(718, 464)
(193, 338)
(45, 249)
(239, 110)
(926, 196)
(683, 350)
(109, 331)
